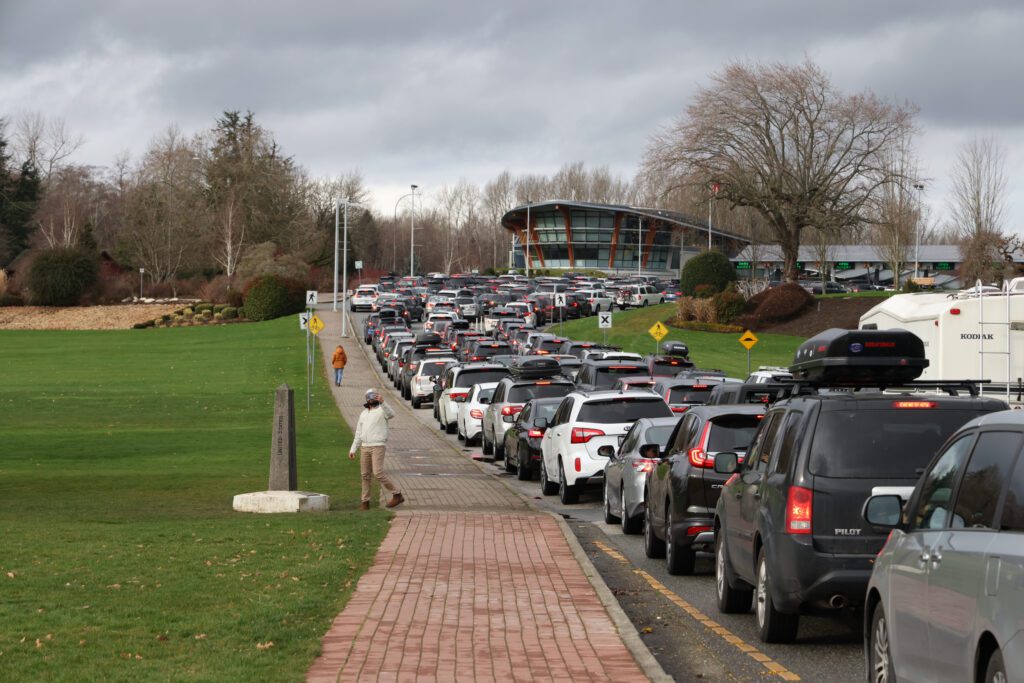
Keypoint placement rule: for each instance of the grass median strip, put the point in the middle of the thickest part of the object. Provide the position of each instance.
(122, 557)
(717, 350)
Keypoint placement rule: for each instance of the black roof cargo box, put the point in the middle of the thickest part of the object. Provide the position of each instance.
(860, 358)
(675, 348)
(534, 367)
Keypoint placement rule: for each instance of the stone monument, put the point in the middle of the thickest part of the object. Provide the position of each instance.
(282, 495)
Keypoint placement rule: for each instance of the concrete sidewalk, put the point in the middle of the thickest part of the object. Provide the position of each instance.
(471, 582)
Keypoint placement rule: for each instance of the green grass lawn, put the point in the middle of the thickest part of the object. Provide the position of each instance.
(707, 349)
(121, 557)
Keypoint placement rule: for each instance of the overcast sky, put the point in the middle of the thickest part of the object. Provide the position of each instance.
(431, 93)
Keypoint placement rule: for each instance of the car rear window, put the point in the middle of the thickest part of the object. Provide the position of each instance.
(622, 410)
(606, 377)
(893, 443)
(658, 435)
(732, 433)
(488, 350)
(551, 344)
(522, 394)
(433, 368)
(669, 368)
(468, 378)
(691, 394)
(545, 410)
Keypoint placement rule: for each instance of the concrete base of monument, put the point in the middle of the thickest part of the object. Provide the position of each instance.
(281, 501)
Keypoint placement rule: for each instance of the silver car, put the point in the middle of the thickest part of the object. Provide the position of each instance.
(626, 471)
(946, 596)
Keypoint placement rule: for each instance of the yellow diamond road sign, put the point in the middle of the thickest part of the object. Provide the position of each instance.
(748, 339)
(658, 331)
(316, 324)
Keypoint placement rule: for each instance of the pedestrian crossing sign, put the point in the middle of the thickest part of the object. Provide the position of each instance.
(316, 324)
(658, 331)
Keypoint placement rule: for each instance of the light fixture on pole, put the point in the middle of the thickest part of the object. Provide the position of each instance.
(919, 186)
(527, 238)
(412, 233)
(344, 260)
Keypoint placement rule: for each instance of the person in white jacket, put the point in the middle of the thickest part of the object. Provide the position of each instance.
(371, 439)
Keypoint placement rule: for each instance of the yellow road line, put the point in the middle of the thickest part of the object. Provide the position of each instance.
(726, 635)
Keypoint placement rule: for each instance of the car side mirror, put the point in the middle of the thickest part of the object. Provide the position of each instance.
(508, 418)
(884, 510)
(606, 451)
(726, 463)
(541, 423)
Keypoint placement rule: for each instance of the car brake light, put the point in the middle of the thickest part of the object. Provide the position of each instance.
(476, 413)
(579, 465)
(700, 386)
(455, 395)
(913, 404)
(694, 530)
(798, 510)
(679, 409)
(476, 357)
(544, 382)
(644, 465)
(584, 434)
(511, 409)
(698, 456)
(535, 433)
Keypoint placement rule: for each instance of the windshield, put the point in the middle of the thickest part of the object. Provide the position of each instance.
(468, 378)
(881, 444)
(522, 394)
(622, 410)
(732, 433)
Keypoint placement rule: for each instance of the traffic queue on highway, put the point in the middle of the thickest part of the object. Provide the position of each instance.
(840, 484)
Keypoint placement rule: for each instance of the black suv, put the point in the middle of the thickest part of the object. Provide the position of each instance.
(595, 375)
(788, 525)
(682, 490)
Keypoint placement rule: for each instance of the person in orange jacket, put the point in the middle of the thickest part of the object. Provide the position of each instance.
(338, 361)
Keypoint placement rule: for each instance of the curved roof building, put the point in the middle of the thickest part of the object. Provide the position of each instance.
(610, 237)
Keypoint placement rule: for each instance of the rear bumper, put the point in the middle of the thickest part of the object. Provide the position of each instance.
(805, 580)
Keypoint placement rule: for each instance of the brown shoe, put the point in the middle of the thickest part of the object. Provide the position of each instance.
(396, 499)
(364, 506)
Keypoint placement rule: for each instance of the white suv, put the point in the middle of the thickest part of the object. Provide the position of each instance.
(573, 448)
(599, 300)
(363, 299)
(642, 295)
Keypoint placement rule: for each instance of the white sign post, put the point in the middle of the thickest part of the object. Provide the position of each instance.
(604, 323)
(560, 300)
(304, 320)
(311, 297)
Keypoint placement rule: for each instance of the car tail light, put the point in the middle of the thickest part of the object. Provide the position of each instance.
(476, 357)
(798, 510)
(511, 410)
(456, 395)
(644, 465)
(698, 456)
(694, 530)
(535, 433)
(584, 434)
(579, 465)
(679, 409)
(476, 413)
(914, 404)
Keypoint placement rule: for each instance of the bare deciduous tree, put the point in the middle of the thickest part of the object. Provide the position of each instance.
(897, 217)
(783, 141)
(976, 207)
(45, 143)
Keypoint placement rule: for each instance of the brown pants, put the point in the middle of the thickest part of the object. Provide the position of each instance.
(371, 464)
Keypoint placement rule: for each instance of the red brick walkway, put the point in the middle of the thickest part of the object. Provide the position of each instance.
(471, 583)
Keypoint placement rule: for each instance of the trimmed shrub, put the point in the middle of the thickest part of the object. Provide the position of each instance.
(60, 277)
(218, 316)
(219, 307)
(704, 291)
(233, 298)
(229, 313)
(778, 304)
(202, 308)
(273, 296)
(710, 268)
(729, 305)
(241, 312)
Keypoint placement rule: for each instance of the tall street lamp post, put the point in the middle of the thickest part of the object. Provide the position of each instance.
(394, 244)
(527, 238)
(337, 206)
(919, 186)
(412, 233)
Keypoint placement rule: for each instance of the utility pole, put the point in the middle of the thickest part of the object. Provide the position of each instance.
(412, 233)
(919, 186)
(527, 238)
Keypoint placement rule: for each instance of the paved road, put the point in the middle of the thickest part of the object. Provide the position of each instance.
(681, 611)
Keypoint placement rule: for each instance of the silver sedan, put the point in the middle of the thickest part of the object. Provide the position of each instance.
(626, 471)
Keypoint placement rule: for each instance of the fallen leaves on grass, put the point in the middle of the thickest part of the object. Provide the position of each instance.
(647, 629)
(11, 575)
(265, 646)
(200, 636)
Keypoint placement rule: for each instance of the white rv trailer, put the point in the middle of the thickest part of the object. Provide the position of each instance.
(976, 333)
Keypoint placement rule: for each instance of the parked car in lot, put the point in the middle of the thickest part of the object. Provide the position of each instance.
(788, 525)
(582, 425)
(521, 442)
(682, 489)
(455, 385)
(946, 596)
(625, 473)
(471, 413)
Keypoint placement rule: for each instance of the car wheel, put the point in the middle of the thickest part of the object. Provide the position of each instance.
(510, 468)
(487, 447)
(547, 487)
(524, 472)
(568, 494)
(450, 427)
(773, 626)
(458, 433)
(879, 655)
(645, 303)
(679, 559)
(995, 672)
(499, 449)
(630, 525)
(654, 547)
(730, 600)
(609, 518)
(416, 403)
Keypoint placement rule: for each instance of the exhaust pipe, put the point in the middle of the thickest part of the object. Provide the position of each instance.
(837, 601)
